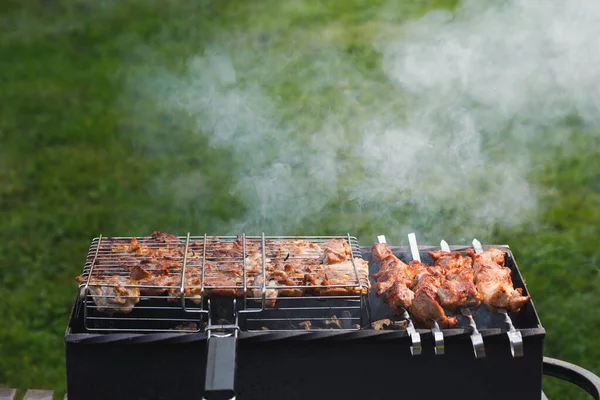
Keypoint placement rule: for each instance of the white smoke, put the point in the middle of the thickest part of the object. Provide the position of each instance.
(442, 137)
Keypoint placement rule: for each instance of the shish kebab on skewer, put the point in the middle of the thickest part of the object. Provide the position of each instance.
(411, 287)
(438, 335)
(458, 293)
(494, 282)
(458, 289)
(393, 281)
(496, 285)
(452, 283)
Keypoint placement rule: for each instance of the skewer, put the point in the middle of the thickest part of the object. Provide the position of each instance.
(415, 337)
(414, 249)
(438, 335)
(514, 336)
(468, 312)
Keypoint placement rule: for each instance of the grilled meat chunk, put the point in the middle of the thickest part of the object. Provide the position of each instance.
(381, 251)
(494, 282)
(111, 296)
(336, 251)
(392, 280)
(161, 237)
(458, 290)
(138, 273)
(153, 266)
(425, 307)
(410, 287)
(340, 279)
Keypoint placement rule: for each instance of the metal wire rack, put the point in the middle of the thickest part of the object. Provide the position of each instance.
(163, 283)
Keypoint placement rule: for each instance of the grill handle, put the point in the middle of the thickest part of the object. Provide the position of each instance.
(574, 374)
(220, 367)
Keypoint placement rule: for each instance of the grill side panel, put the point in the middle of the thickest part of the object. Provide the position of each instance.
(357, 365)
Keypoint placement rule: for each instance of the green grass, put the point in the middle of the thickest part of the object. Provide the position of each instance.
(81, 154)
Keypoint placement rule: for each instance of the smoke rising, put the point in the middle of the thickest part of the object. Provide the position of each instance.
(440, 136)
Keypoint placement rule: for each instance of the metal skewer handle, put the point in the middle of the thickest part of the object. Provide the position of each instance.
(514, 336)
(415, 337)
(438, 337)
(476, 338)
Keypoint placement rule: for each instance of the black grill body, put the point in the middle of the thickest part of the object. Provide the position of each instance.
(314, 365)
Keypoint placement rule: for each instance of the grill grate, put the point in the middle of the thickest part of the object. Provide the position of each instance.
(165, 282)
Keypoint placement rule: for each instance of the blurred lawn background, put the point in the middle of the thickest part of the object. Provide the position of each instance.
(70, 170)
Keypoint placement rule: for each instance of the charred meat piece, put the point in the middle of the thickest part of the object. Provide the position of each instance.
(153, 266)
(270, 294)
(138, 273)
(280, 279)
(161, 237)
(494, 282)
(340, 279)
(393, 280)
(458, 290)
(112, 296)
(425, 306)
(224, 249)
(152, 249)
(192, 286)
(284, 250)
(381, 251)
(336, 251)
(223, 278)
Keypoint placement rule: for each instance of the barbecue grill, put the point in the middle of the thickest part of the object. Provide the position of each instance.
(245, 339)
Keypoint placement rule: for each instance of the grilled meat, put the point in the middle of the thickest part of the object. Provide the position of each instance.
(342, 275)
(458, 289)
(152, 266)
(393, 280)
(161, 237)
(138, 273)
(425, 307)
(111, 296)
(192, 285)
(282, 250)
(494, 282)
(410, 287)
(336, 251)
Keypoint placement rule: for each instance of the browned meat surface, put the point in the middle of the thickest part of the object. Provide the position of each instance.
(220, 250)
(112, 296)
(381, 251)
(426, 281)
(283, 250)
(411, 287)
(458, 290)
(192, 286)
(138, 273)
(340, 279)
(152, 266)
(494, 282)
(392, 280)
(336, 251)
(426, 308)
(161, 237)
